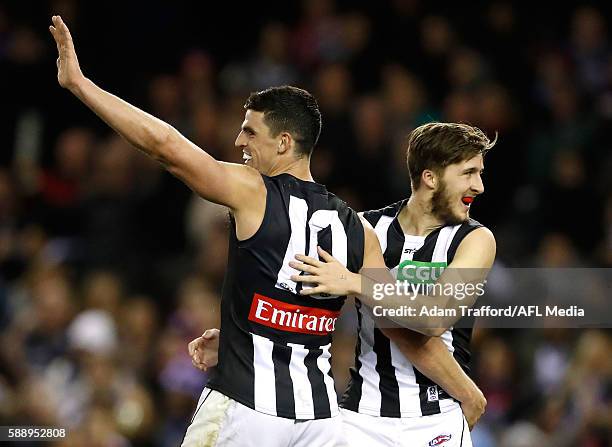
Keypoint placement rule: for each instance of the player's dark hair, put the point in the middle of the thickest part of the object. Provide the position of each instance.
(289, 109)
(434, 146)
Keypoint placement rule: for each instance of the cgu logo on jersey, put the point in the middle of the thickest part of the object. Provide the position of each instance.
(419, 272)
(291, 317)
(439, 440)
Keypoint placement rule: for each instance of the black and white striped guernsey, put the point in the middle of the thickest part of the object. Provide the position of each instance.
(274, 345)
(383, 381)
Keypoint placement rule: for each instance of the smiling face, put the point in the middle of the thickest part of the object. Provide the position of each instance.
(259, 147)
(457, 187)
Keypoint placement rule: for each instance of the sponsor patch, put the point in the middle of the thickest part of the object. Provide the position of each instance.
(432, 394)
(439, 440)
(291, 317)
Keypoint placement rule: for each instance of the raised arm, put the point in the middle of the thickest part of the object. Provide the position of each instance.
(233, 185)
(433, 359)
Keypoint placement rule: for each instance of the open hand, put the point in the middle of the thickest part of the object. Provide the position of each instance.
(69, 73)
(204, 350)
(329, 277)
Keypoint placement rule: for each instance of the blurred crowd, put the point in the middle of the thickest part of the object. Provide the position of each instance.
(109, 266)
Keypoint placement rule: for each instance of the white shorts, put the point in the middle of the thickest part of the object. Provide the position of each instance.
(223, 422)
(445, 430)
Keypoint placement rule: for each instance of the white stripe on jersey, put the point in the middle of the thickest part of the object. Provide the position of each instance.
(370, 397)
(381, 228)
(404, 374)
(324, 365)
(298, 212)
(302, 390)
(443, 243)
(263, 367)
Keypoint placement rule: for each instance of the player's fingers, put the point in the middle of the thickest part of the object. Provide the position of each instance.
(60, 40)
(199, 365)
(308, 260)
(56, 37)
(193, 346)
(210, 333)
(197, 360)
(61, 24)
(59, 28)
(305, 278)
(313, 290)
(302, 267)
(324, 255)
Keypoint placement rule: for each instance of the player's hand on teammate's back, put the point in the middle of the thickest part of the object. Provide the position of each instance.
(473, 409)
(68, 70)
(204, 350)
(329, 277)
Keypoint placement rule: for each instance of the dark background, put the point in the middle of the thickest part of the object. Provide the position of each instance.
(109, 266)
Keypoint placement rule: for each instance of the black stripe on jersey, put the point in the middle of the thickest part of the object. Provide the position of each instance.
(427, 407)
(281, 357)
(374, 216)
(425, 253)
(462, 232)
(317, 383)
(463, 335)
(389, 388)
(461, 343)
(352, 396)
(354, 260)
(395, 244)
(324, 239)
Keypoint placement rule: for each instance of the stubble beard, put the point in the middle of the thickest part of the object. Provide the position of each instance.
(442, 206)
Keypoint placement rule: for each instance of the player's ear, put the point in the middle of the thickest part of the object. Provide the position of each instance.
(429, 179)
(285, 143)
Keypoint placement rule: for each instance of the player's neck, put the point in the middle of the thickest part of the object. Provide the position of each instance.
(416, 218)
(299, 168)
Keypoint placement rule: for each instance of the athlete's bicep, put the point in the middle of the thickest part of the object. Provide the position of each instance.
(470, 266)
(229, 184)
(476, 251)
